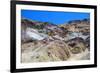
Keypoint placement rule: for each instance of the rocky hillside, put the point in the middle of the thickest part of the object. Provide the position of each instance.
(44, 41)
(77, 26)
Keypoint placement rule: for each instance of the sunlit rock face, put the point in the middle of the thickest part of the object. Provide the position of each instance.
(54, 51)
(46, 42)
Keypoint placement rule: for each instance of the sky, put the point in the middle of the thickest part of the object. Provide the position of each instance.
(53, 16)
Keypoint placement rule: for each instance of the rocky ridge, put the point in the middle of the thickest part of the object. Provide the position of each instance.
(43, 41)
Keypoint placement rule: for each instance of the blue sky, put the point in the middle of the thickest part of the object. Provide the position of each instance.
(53, 16)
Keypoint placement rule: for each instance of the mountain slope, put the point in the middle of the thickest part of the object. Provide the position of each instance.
(44, 41)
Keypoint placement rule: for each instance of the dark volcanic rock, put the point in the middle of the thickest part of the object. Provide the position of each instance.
(87, 42)
(76, 45)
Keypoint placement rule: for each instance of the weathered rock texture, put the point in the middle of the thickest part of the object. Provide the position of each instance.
(43, 41)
